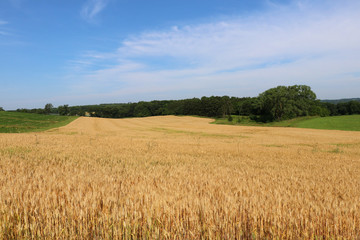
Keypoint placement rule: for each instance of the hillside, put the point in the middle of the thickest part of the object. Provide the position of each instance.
(16, 122)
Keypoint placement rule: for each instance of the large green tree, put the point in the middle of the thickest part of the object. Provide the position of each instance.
(286, 102)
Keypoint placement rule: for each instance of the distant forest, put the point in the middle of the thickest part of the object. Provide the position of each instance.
(343, 100)
(275, 104)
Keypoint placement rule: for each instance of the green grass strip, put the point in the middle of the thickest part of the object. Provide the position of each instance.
(346, 123)
(16, 122)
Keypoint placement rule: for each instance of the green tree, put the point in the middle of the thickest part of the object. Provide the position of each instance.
(1, 109)
(286, 102)
(64, 110)
(212, 106)
(191, 106)
(142, 109)
(226, 106)
(47, 108)
(353, 107)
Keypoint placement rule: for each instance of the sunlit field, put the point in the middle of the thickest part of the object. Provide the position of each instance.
(179, 178)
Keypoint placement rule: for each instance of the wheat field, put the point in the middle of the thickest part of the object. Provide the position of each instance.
(179, 178)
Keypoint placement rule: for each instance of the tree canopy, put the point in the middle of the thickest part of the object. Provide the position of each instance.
(47, 108)
(275, 104)
(287, 102)
(64, 110)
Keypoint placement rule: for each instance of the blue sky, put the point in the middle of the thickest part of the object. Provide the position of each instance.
(104, 51)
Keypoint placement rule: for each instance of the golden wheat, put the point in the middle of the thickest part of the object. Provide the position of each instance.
(179, 178)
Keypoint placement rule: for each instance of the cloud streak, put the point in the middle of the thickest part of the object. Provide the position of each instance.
(92, 8)
(304, 43)
(3, 32)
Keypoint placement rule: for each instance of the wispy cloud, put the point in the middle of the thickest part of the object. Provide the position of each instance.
(92, 8)
(304, 43)
(3, 31)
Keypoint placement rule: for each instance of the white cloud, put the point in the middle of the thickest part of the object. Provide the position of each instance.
(93, 8)
(3, 32)
(308, 44)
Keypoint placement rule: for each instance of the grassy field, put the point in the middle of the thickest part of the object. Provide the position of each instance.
(347, 123)
(179, 178)
(15, 122)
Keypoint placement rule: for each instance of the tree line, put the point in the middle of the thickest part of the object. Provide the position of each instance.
(275, 104)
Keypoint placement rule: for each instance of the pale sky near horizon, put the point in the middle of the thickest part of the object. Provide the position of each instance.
(113, 51)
